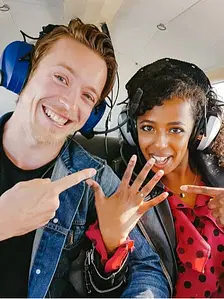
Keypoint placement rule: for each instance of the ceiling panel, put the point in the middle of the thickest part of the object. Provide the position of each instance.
(92, 11)
(197, 36)
(8, 31)
(73, 9)
(195, 30)
(31, 15)
(135, 22)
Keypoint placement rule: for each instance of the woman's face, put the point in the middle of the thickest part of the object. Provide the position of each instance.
(164, 132)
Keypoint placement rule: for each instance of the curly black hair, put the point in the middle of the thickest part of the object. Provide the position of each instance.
(167, 78)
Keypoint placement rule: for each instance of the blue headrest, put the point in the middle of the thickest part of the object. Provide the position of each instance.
(15, 66)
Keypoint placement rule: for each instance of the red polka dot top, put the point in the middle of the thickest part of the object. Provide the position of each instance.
(200, 250)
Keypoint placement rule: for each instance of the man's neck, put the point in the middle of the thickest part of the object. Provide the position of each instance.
(24, 151)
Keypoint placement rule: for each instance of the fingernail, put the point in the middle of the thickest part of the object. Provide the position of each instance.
(151, 161)
(160, 172)
(133, 159)
(92, 172)
(183, 188)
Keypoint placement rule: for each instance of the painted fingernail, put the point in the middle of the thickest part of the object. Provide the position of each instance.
(183, 188)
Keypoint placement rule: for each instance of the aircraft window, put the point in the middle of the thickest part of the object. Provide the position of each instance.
(219, 88)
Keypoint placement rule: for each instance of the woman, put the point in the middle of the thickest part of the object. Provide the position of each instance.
(178, 122)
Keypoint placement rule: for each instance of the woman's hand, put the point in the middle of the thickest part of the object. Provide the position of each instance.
(216, 203)
(119, 213)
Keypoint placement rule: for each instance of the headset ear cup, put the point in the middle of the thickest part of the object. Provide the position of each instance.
(199, 140)
(92, 121)
(125, 129)
(197, 131)
(212, 129)
(15, 65)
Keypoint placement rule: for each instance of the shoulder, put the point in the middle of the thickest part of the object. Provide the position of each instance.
(80, 159)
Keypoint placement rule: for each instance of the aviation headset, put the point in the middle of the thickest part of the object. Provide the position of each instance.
(15, 64)
(206, 127)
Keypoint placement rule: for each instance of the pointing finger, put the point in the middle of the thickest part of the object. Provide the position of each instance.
(202, 190)
(73, 179)
(213, 204)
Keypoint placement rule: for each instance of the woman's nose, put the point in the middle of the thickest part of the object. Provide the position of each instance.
(161, 141)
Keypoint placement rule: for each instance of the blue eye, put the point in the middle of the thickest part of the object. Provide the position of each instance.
(176, 130)
(61, 79)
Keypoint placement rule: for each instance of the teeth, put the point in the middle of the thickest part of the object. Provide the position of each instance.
(55, 117)
(160, 159)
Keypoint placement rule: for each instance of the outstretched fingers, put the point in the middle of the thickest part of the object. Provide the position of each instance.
(128, 172)
(146, 205)
(151, 184)
(142, 175)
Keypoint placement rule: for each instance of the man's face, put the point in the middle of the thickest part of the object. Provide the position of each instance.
(61, 94)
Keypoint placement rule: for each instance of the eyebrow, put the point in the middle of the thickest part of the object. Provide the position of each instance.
(73, 72)
(172, 123)
(70, 69)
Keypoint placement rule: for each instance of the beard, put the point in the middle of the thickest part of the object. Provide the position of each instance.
(44, 136)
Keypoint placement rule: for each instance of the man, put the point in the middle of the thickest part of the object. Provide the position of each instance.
(44, 213)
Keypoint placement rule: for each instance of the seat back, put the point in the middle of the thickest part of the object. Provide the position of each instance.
(97, 146)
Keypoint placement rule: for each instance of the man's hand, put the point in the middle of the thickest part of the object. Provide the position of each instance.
(216, 203)
(119, 214)
(31, 204)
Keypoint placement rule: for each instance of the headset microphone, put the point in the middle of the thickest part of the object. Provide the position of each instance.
(135, 102)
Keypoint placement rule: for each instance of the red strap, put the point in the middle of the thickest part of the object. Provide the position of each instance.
(115, 262)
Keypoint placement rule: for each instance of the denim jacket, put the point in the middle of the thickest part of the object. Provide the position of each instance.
(56, 243)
